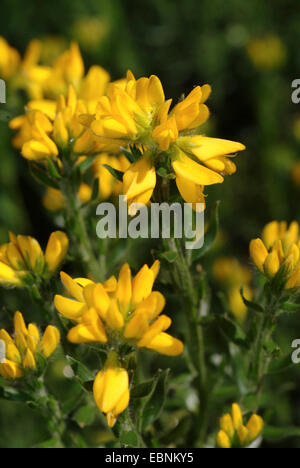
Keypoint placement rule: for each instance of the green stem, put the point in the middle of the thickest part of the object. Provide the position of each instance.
(78, 232)
(184, 282)
(265, 328)
(50, 410)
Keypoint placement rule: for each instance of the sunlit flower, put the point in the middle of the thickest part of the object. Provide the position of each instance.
(20, 354)
(126, 311)
(23, 257)
(111, 389)
(138, 114)
(48, 128)
(278, 251)
(230, 273)
(234, 434)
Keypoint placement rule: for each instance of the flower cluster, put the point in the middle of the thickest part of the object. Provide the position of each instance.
(139, 114)
(19, 355)
(22, 259)
(49, 127)
(234, 434)
(49, 80)
(123, 311)
(278, 252)
(229, 272)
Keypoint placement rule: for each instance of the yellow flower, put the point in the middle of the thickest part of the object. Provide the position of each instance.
(138, 183)
(111, 389)
(46, 128)
(23, 256)
(137, 113)
(233, 433)
(278, 251)
(20, 354)
(234, 276)
(267, 52)
(9, 60)
(126, 310)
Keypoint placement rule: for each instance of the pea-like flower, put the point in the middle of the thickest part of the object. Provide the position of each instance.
(119, 311)
(278, 252)
(139, 114)
(111, 389)
(22, 259)
(234, 434)
(19, 354)
(48, 128)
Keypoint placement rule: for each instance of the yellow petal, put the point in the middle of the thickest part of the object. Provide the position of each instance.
(56, 250)
(33, 337)
(243, 435)
(136, 327)
(226, 425)
(272, 265)
(124, 290)
(72, 286)
(50, 341)
(29, 361)
(69, 308)
(255, 426)
(258, 253)
(109, 388)
(196, 173)
(10, 370)
(223, 440)
(142, 284)
(164, 343)
(237, 416)
(161, 324)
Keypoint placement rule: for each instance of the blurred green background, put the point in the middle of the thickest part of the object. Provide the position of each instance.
(249, 53)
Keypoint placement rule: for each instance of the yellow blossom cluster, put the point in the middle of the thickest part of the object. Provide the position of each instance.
(22, 258)
(278, 250)
(139, 114)
(234, 434)
(20, 354)
(123, 310)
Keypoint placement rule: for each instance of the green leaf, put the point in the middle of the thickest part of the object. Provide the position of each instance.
(42, 177)
(53, 170)
(142, 390)
(116, 174)
(80, 370)
(129, 438)
(279, 433)
(154, 405)
(95, 191)
(169, 256)
(231, 329)
(288, 307)
(252, 305)
(50, 443)
(210, 235)
(85, 415)
(87, 163)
